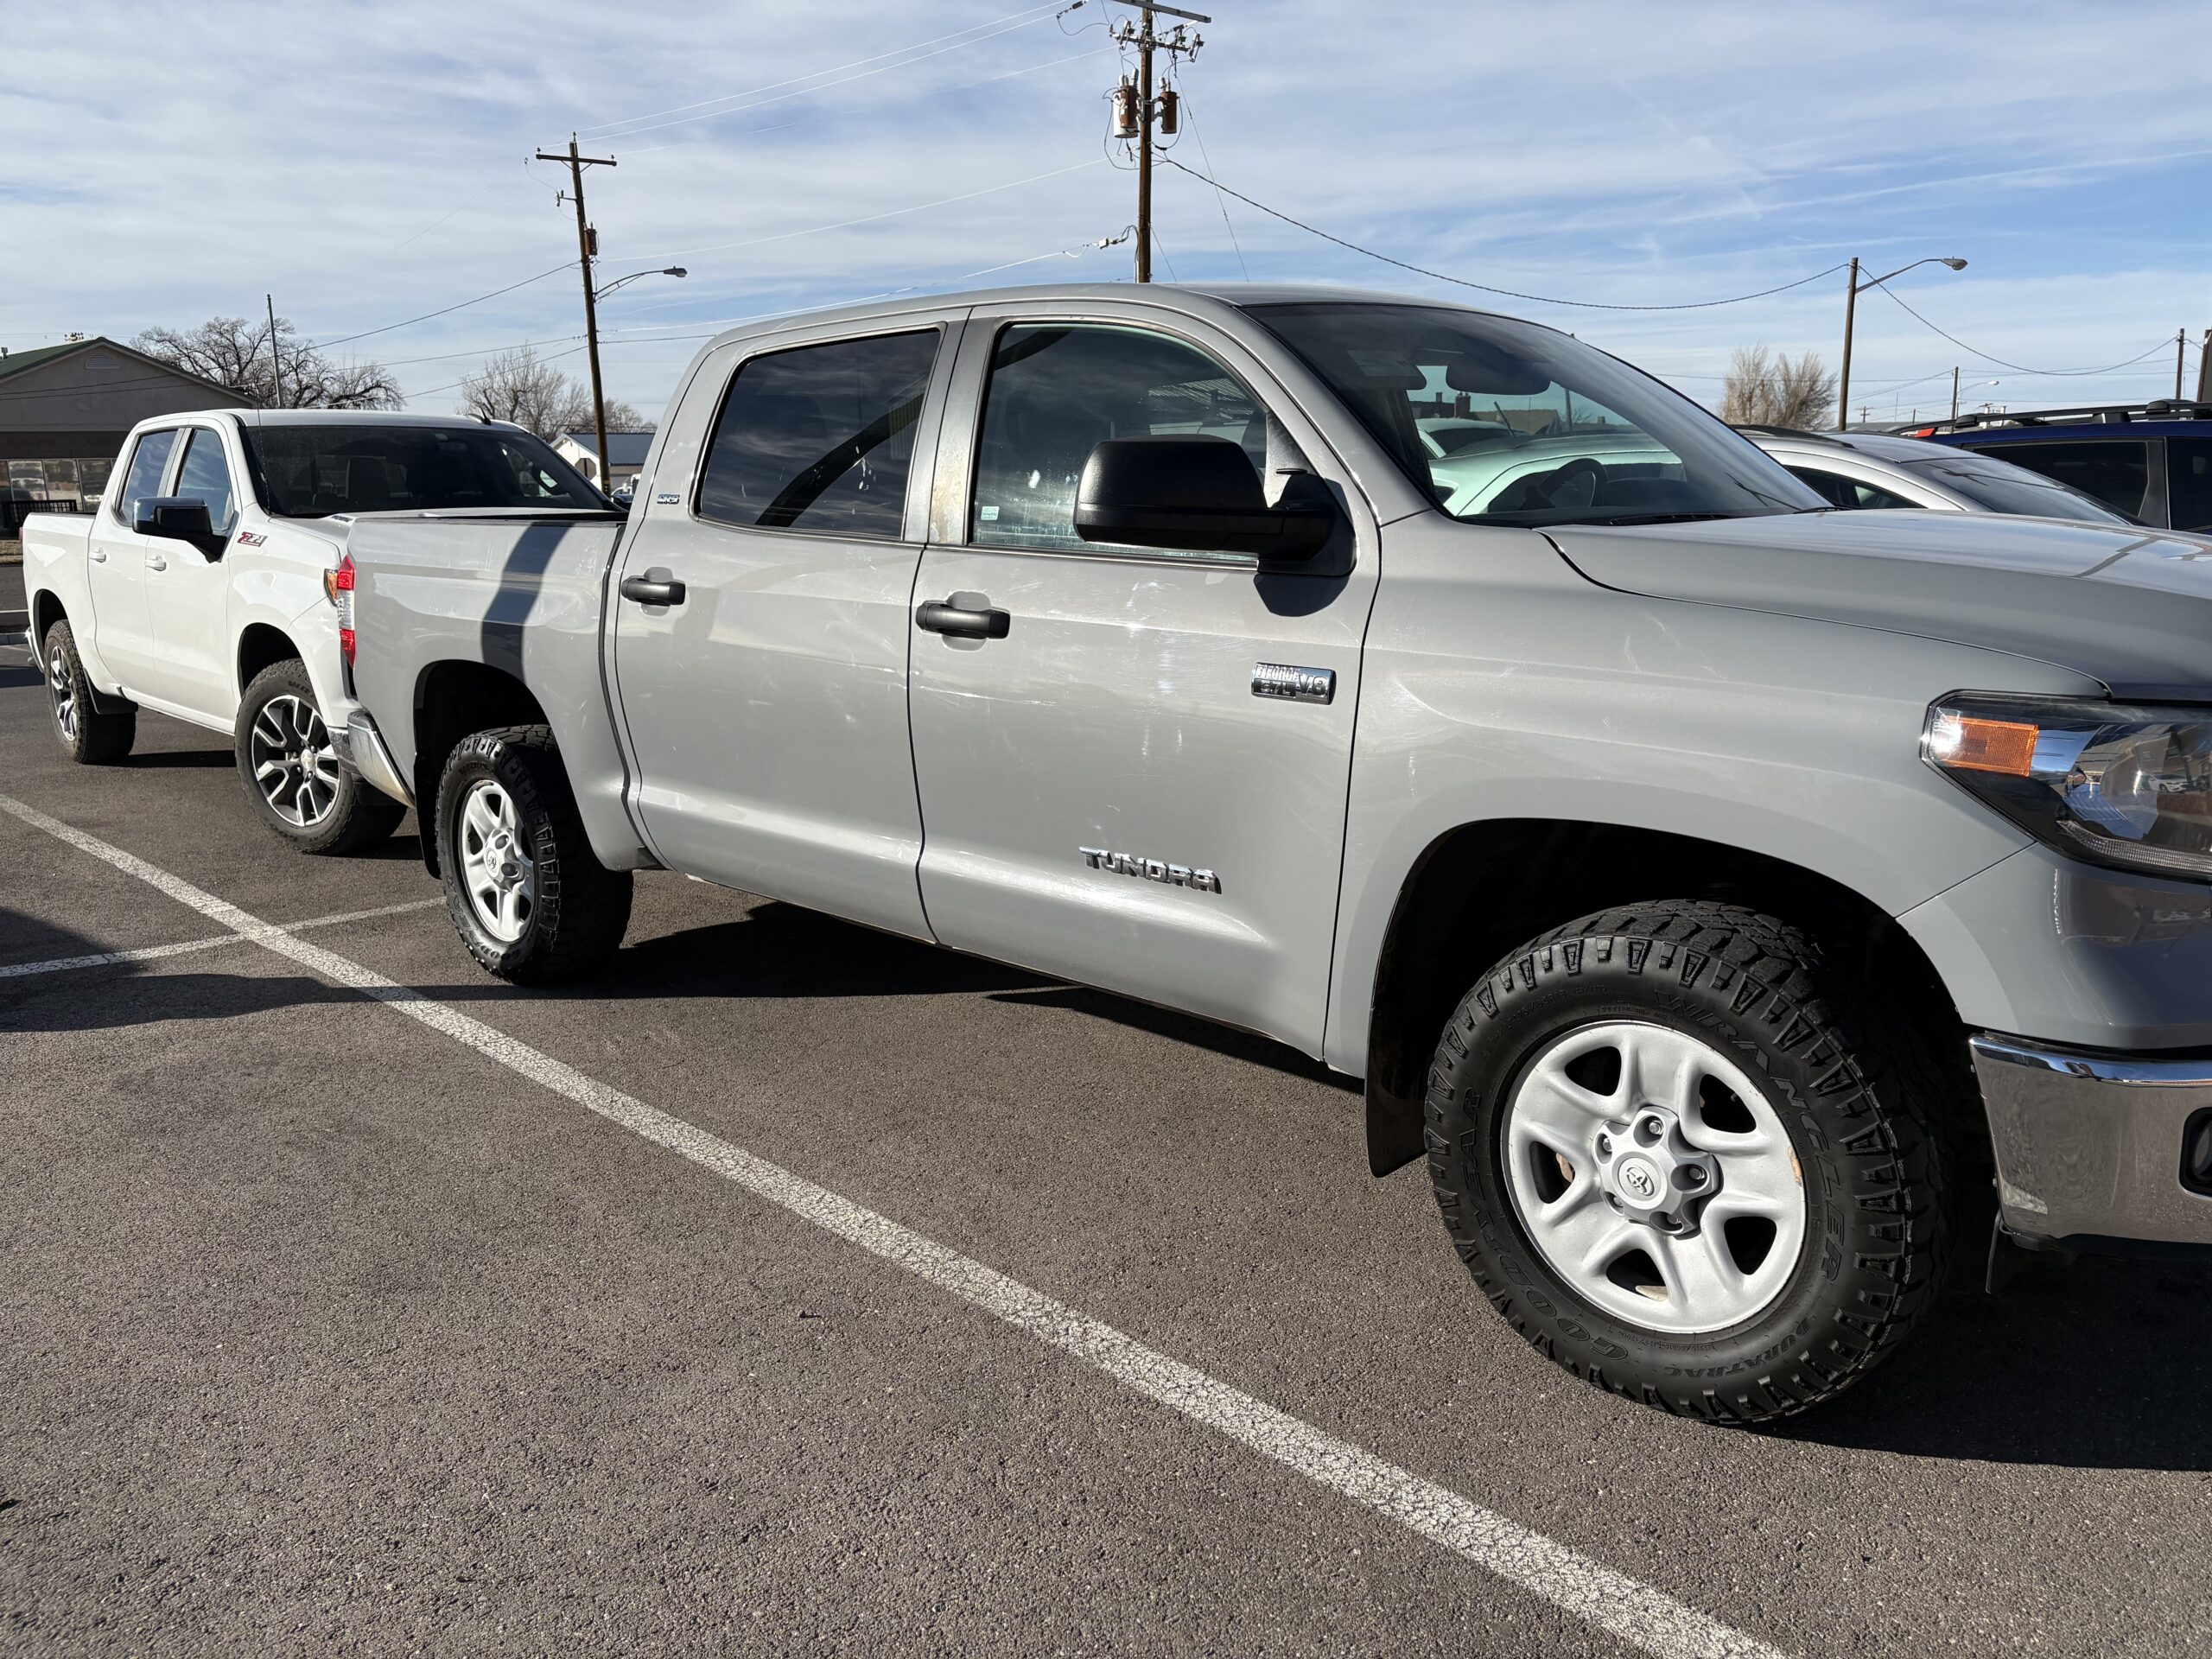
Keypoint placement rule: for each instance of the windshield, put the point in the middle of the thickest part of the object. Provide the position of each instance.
(1508, 424)
(311, 472)
(1999, 487)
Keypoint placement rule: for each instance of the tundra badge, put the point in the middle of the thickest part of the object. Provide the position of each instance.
(1295, 684)
(1152, 869)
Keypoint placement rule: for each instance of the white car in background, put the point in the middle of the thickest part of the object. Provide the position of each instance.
(212, 585)
(1861, 470)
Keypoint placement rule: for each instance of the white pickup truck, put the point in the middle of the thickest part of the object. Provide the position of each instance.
(212, 585)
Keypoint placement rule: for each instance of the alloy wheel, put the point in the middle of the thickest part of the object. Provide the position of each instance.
(63, 684)
(294, 764)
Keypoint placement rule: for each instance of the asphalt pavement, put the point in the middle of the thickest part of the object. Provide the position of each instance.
(351, 1301)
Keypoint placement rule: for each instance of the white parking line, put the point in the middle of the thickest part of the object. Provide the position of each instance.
(156, 952)
(1633, 1612)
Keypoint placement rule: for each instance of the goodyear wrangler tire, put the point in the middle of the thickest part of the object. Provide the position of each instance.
(530, 902)
(1689, 1161)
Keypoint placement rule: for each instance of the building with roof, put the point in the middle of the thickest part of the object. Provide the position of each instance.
(625, 453)
(64, 409)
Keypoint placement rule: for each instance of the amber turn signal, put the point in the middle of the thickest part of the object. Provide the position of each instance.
(1970, 743)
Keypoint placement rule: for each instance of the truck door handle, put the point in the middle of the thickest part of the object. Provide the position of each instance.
(654, 587)
(156, 561)
(943, 616)
(98, 557)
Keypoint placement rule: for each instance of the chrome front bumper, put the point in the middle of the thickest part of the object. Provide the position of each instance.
(2098, 1145)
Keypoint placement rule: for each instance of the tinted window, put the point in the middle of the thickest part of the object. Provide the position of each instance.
(1995, 487)
(1574, 437)
(821, 437)
(206, 476)
(1059, 389)
(144, 479)
(310, 472)
(2188, 482)
(2116, 471)
(1848, 492)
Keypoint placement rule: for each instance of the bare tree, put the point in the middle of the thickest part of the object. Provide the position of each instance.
(521, 386)
(1775, 390)
(234, 352)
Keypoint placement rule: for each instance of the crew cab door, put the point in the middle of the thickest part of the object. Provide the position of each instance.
(188, 590)
(116, 576)
(1113, 788)
(760, 618)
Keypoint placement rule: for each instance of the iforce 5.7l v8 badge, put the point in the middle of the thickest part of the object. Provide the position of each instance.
(1293, 683)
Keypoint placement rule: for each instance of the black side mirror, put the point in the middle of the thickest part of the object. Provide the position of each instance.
(1195, 494)
(177, 519)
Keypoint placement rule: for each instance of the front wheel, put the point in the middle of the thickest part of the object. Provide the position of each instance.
(1688, 1161)
(531, 902)
(292, 774)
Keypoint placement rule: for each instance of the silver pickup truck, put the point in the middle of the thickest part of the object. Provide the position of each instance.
(1733, 899)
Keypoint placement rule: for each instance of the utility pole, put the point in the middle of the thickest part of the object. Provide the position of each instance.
(586, 247)
(1851, 315)
(1137, 110)
(1843, 387)
(275, 360)
(1954, 393)
(2204, 371)
(2181, 346)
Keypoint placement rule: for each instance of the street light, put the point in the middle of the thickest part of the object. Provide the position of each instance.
(672, 271)
(1972, 385)
(592, 297)
(1850, 313)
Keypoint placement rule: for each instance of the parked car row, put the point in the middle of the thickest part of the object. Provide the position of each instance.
(1737, 900)
(2152, 461)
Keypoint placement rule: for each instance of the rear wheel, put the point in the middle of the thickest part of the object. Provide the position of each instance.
(522, 885)
(292, 771)
(94, 736)
(1689, 1161)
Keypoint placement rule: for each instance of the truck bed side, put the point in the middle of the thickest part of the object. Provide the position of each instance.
(56, 582)
(456, 615)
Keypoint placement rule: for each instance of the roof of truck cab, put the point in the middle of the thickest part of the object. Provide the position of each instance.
(1239, 295)
(351, 417)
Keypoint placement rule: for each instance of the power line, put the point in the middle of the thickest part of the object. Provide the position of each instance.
(2022, 368)
(868, 218)
(606, 133)
(345, 340)
(1191, 115)
(1486, 287)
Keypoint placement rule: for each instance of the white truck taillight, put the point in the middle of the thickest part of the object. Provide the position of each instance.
(337, 587)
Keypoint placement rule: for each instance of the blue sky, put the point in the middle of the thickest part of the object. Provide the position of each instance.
(365, 163)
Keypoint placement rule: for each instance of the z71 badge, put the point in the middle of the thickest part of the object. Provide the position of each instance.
(1152, 869)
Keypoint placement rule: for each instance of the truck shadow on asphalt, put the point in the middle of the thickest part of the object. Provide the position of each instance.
(2098, 1362)
(2093, 1363)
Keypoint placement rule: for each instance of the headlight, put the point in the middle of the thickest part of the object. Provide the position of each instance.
(2122, 785)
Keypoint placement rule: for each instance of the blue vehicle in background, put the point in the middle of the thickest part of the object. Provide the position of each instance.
(2152, 461)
